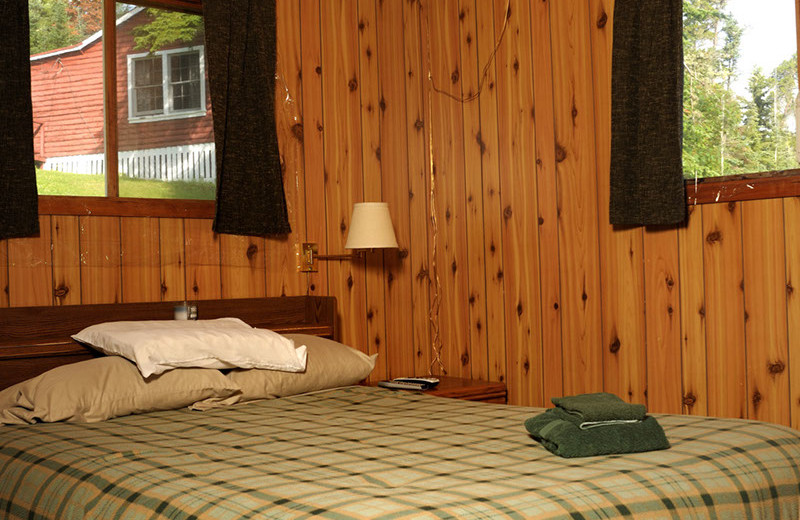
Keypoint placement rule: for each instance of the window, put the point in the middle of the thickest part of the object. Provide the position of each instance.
(168, 84)
(120, 104)
(740, 87)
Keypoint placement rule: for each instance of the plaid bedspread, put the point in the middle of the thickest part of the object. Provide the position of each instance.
(361, 452)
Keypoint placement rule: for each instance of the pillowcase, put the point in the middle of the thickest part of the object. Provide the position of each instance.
(158, 346)
(102, 388)
(330, 365)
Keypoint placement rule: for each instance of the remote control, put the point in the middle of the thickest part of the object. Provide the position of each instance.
(410, 383)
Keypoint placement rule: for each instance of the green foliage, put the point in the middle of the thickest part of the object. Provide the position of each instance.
(50, 25)
(724, 133)
(167, 28)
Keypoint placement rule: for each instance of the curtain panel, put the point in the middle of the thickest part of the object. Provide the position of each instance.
(19, 202)
(240, 52)
(647, 186)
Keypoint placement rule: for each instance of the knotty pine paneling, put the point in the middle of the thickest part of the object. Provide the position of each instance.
(536, 288)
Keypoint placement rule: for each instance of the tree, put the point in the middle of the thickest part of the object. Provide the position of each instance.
(167, 28)
(51, 26)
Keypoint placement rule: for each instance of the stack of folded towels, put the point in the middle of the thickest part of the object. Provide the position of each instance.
(596, 424)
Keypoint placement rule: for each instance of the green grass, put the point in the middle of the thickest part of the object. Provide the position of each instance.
(60, 183)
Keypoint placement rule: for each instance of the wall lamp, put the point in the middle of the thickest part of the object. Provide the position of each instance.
(370, 228)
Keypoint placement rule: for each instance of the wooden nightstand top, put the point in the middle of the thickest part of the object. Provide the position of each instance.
(467, 389)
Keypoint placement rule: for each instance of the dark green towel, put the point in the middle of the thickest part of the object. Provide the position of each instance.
(600, 407)
(565, 438)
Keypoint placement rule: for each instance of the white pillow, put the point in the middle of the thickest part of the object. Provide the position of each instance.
(158, 346)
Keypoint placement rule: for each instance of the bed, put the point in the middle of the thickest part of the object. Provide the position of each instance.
(364, 452)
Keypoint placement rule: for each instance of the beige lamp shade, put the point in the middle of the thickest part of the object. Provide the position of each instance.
(370, 227)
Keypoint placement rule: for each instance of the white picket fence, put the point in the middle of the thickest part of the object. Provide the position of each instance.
(193, 162)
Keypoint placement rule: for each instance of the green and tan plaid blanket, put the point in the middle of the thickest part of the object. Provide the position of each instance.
(362, 452)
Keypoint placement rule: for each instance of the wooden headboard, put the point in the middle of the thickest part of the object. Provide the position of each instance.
(36, 339)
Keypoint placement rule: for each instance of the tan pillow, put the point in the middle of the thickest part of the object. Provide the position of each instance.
(98, 389)
(330, 365)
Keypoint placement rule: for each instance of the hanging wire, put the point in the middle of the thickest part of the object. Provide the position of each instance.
(437, 365)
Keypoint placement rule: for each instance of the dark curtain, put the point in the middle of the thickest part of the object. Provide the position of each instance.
(646, 114)
(19, 202)
(240, 53)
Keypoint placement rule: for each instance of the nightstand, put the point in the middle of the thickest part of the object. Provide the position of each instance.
(467, 389)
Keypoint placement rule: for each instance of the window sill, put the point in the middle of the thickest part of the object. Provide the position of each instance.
(768, 185)
(125, 207)
(166, 117)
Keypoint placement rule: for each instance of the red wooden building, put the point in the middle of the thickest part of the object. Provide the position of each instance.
(164, 109)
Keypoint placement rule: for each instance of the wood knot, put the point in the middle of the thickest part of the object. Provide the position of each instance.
(519, 308)
(297, 131)
(472, 299)
(454, 77)
(252, 250)
(555, 306)
(418, 124)
(163, 288)
(61, 291)
(464, 359)
(757, 397)
(526, 365)
(776, 368)
(602, 20)
(350, 281)
(731, 206)
(454, 267)
(500, 274)
(670, 282)
(689, 399)
(342, 226)
(615, 346)
(507, 212)
(422, 274)
(541, 220)
(402, 253)
(382, 104)
(561, 153)
(714, 236)
(789, 289)
(318, 69)
(370, 315)
(352, 84)
(481, 144)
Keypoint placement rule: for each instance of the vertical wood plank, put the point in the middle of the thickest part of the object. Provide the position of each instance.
(791, 209)
(577, 197)
(474, 221)
(173, 263)
(725, 342)
(242, 266)
(515, 77)
(4, 273)
(395, 186)
(417, 128)
(282, 277)
(662, 294)
(764, 263)
(100, 260)
(66, 259)
(313, 144)
(203, 281)
(488, 141)
(342, 157)
(30, 268)
(623, 284)
(547, 186)
(693, 312)
(140, 259)
(371, 159)
(449, 189)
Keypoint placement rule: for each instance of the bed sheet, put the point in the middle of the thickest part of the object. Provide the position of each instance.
(370, 453)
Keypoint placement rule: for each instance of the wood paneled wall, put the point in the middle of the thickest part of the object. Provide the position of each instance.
(507, 236)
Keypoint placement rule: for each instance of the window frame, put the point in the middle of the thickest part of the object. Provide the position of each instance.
(167, 110)
(112, 204)
(753, 186)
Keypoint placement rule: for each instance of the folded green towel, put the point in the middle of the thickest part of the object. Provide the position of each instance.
(565, 438)
(600, 407)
